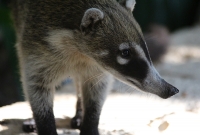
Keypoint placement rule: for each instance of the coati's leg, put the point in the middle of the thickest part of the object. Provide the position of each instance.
(94, 93)
(37, 85)
(43, 110)
(77, 119)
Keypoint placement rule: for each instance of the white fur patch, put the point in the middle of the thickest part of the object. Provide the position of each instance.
(130, 4)
(121, 60)
(62, 39)
(124, 46)
(134, 80)
(71, 60)
(139, 51)
(102, 53)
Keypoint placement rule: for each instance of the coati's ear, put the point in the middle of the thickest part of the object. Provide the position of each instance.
(91, 17)
(128, 4)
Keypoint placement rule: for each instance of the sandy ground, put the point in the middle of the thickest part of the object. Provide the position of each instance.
(128, 112)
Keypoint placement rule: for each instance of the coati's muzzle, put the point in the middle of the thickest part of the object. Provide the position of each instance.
(169, 90)
(156, 85)
(153, 84)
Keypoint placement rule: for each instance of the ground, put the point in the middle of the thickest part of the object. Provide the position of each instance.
(128, 112)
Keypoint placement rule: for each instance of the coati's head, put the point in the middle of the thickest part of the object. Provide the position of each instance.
(115, 41)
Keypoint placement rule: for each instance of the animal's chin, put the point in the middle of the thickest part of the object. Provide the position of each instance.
(134, 84)
(130, 82)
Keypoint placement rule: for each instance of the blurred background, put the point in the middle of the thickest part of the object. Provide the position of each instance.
(172, 31)
(10, 87)
(157, 18)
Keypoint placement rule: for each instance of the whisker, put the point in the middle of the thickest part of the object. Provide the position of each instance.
(97, 81)
(151, 37)
(128, 90)
(124, 88)
(97, 75)
(120, 87)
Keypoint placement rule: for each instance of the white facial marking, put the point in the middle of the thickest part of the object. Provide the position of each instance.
(121, 60)
(139, 51)
(130, 4)
(134, 80)
(123, 46)
(102, 53)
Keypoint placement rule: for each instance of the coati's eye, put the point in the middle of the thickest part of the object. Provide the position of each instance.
(125, 53)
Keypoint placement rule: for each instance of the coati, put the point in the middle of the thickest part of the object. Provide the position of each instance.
(89, 40)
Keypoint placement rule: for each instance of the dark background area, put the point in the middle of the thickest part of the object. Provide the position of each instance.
(10, 90)
(172, 14)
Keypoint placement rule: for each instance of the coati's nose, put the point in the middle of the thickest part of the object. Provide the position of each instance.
(169, 90)
(173, 91)
(155, 84)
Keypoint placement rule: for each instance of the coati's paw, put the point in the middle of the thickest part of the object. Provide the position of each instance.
(4, 122)
(29, 126)
(76, 122)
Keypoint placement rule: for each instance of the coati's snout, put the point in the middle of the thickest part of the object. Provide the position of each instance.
(170, 90)
(115, 41)
(154, 83)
